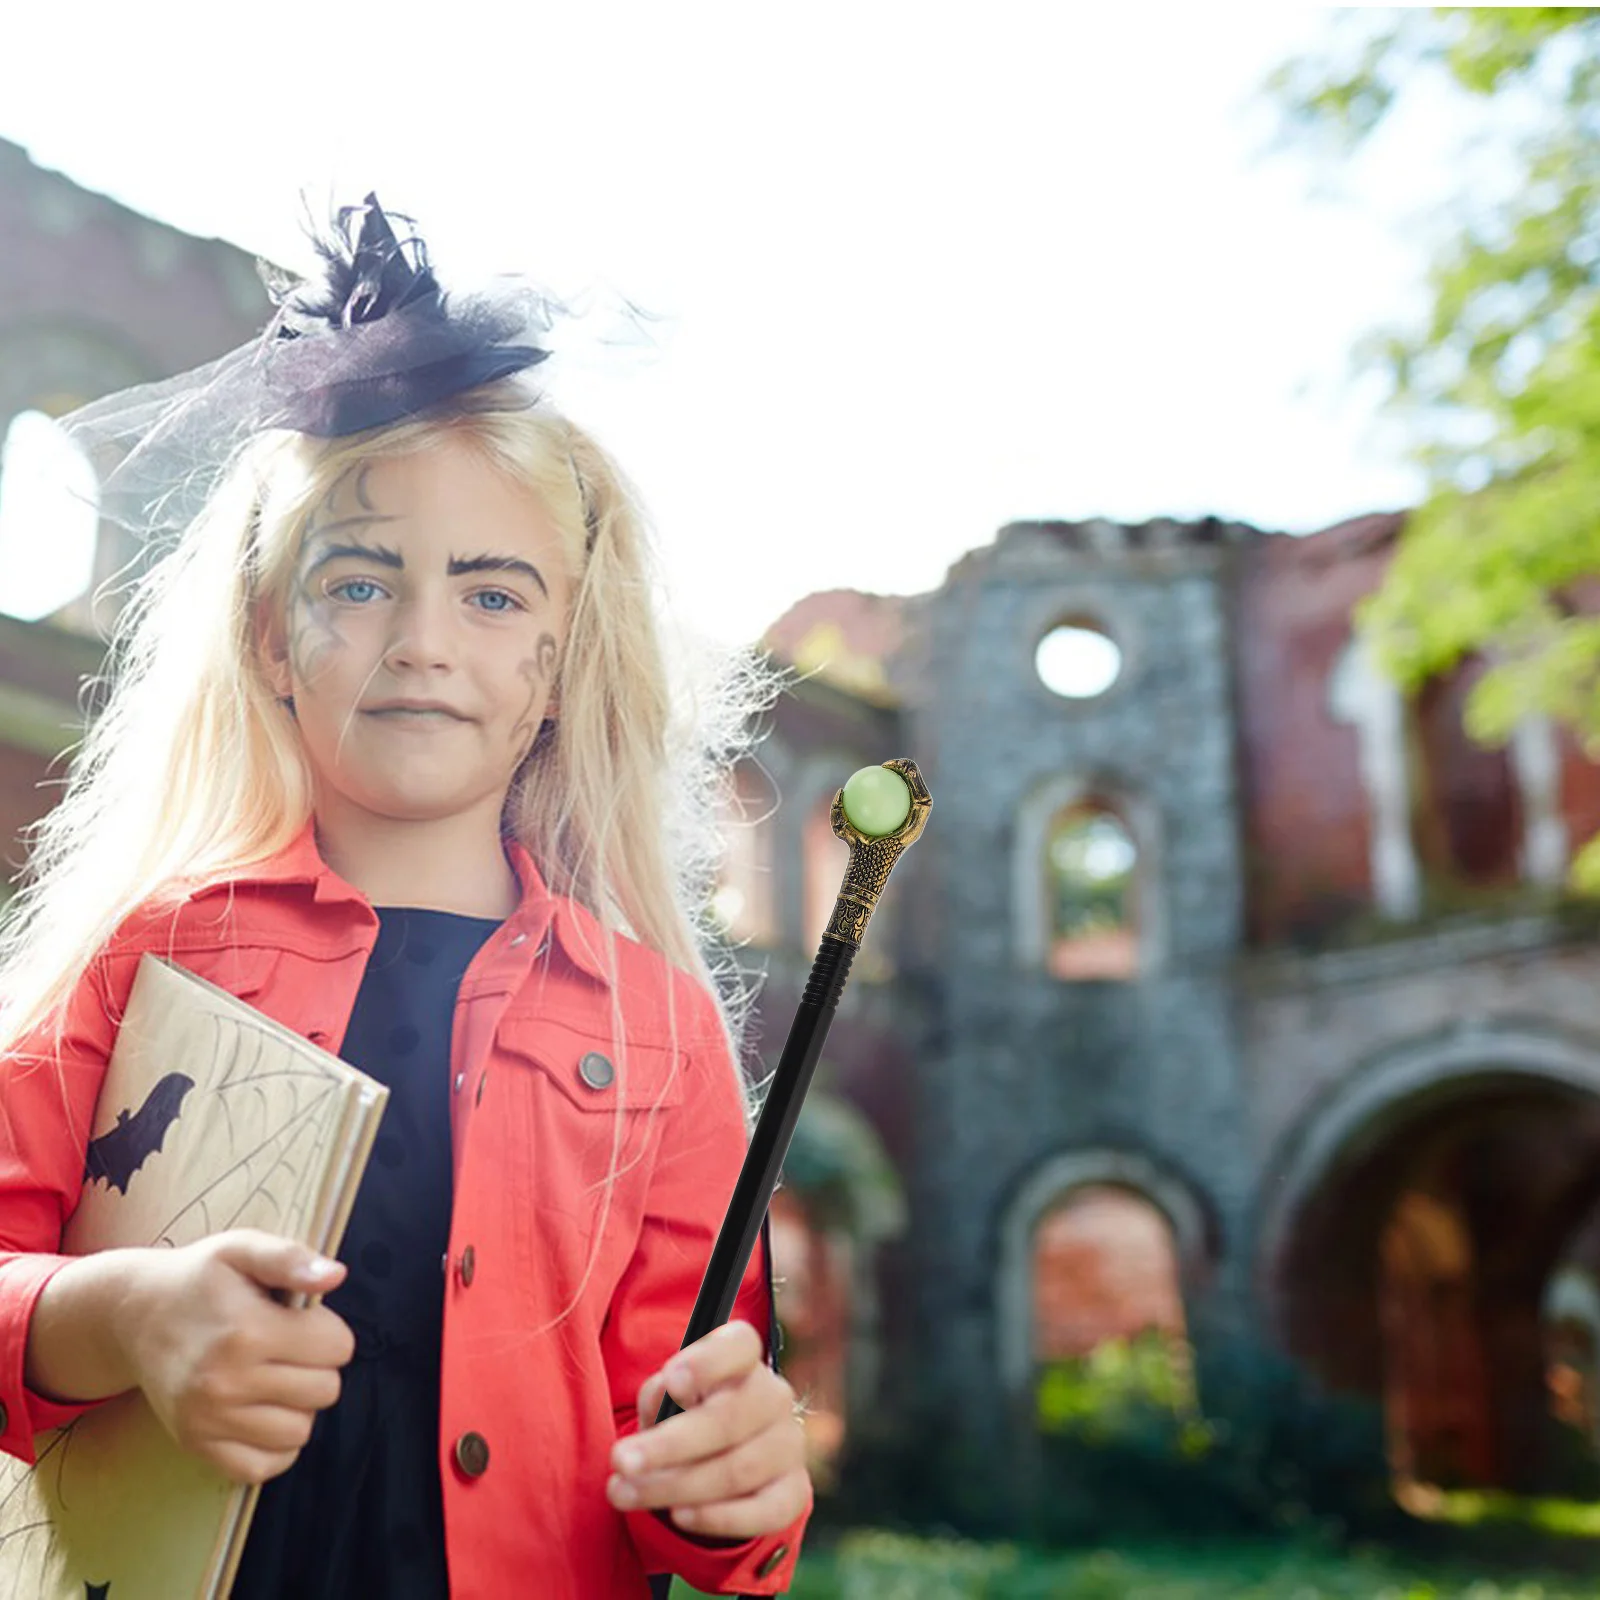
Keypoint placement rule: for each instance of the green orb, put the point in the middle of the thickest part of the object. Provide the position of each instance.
(877, 800)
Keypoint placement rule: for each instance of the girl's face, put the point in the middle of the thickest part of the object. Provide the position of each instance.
(426, 618)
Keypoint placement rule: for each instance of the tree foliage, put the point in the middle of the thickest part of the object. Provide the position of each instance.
(1501, 381)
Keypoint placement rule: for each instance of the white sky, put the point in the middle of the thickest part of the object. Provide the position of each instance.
(928, 267)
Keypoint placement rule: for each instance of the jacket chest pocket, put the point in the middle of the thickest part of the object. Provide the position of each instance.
(245, 971)
(277, 983)
(583, 1119)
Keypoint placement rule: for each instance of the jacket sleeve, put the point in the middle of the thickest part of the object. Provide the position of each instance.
(48, 1089)
(703, 1142)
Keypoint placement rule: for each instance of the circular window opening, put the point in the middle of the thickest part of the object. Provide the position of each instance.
(1078, 661)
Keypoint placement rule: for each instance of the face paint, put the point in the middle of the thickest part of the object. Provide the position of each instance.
(425, 626)
(539, 674)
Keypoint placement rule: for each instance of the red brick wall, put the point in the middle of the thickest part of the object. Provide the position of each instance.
(1104, 1268)
(1304, 808)
(80, 258)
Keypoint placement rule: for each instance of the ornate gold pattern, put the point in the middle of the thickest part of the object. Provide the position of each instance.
(872, 860)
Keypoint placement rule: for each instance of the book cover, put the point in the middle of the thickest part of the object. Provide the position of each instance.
(212, 1116)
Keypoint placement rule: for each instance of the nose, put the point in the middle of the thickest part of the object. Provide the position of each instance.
(423, 636)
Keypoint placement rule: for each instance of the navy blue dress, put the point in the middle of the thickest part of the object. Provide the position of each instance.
(360, 1516)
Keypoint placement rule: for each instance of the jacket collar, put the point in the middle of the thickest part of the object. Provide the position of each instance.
(539, 913)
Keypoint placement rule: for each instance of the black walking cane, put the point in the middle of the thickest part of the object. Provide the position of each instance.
(878, 813)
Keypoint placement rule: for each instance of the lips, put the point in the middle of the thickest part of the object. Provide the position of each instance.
(415, 708)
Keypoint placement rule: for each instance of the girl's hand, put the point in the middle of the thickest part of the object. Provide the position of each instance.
(732, 1464)
(236, 1377)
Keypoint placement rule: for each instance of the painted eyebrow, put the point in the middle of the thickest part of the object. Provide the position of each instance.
(382, 556)
(460, 564)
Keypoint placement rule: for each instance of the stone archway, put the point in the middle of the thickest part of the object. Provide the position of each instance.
(1408, 1232)
(1047, 1186)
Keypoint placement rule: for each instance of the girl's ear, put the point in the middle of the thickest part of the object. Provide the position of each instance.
(272, 648)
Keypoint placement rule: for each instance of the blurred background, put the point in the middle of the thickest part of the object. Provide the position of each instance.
(1180, 432)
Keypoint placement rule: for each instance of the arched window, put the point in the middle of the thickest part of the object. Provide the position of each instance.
(1440, 805)
(1469, 821)
(1108, 1322)
(49, 518)
(1091, 865)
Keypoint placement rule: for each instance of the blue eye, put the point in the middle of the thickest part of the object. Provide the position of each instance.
(503, 600)
(347, 590)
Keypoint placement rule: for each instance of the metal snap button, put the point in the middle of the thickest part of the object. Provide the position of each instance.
(518, 938)
(770, 1565)
(468, 1266)
(461, 1081)
(596, 1070)
(472, 1454)
(483, 1078)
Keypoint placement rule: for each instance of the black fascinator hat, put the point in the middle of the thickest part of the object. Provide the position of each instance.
(370, 340)
(374, 340)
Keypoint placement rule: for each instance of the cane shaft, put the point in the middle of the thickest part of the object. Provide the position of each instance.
(769, 1144)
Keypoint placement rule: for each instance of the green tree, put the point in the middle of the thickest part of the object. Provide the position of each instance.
(1500, 383)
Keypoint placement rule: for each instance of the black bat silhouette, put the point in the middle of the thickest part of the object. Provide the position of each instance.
(119, 1152)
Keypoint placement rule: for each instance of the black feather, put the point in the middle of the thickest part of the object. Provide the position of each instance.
(367, 272)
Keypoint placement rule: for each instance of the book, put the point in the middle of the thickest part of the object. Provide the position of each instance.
(211, 1116)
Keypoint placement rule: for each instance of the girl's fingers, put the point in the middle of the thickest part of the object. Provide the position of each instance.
(299, 1388)
(770, 1508)
(722, 1356)
(724, 1419)
(264, 1428)
(731, 1474)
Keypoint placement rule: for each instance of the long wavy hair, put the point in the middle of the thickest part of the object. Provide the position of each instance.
(192, 772)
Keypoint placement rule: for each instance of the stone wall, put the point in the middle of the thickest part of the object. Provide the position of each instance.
(1016, 1068)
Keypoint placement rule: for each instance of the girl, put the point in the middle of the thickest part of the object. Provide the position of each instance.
(387, 754)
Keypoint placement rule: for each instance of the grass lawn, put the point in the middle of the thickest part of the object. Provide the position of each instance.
(883, 1566)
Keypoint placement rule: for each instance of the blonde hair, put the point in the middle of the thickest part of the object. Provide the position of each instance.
(193, 772)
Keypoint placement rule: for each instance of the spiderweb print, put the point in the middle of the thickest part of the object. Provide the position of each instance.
(264, 1129)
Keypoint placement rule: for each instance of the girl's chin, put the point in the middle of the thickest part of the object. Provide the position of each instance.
(421, 802)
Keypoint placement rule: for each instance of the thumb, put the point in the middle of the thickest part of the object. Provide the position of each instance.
(276, 1263)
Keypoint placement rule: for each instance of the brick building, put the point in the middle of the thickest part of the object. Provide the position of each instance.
(1326, 1011)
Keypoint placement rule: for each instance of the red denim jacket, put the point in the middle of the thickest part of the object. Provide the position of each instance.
(546, 1341)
